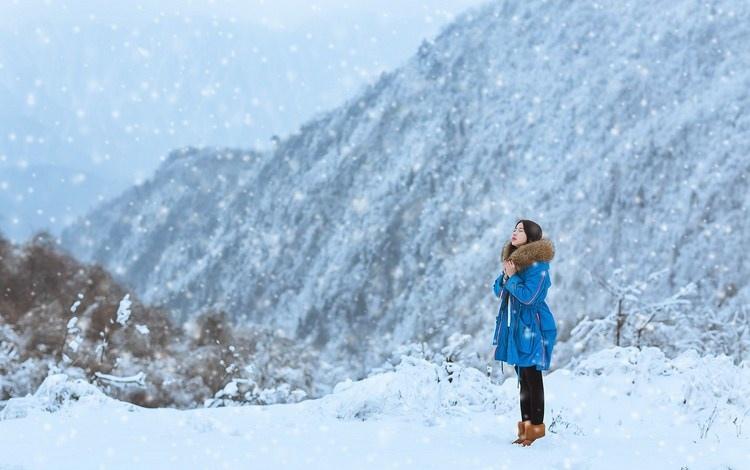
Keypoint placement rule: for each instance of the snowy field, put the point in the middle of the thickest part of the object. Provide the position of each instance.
(621, 408)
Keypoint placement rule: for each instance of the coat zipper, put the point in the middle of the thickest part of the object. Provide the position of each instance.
(509, 296)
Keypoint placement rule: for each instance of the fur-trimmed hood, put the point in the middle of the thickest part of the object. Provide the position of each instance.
(528, 253)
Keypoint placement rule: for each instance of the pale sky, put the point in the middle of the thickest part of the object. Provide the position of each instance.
(272, 14)
(96, 93)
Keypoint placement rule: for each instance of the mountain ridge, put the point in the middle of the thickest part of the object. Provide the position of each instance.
(380, 222)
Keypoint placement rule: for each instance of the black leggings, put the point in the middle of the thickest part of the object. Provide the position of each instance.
(532, 394)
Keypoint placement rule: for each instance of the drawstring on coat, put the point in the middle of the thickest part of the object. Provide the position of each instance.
(508, 309)
(518, 370)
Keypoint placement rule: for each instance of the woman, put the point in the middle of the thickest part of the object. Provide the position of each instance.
(525, 329)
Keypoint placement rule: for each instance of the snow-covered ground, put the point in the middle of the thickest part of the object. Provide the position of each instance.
(619, 408)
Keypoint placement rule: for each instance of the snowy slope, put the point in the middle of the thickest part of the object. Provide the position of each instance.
(620, 126)
(621, 409)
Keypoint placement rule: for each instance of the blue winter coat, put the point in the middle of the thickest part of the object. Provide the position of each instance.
(528, 336)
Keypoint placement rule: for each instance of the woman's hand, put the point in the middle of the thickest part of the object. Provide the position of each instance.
(509, 267)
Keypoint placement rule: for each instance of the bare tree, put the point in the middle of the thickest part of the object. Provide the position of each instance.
(634, 315)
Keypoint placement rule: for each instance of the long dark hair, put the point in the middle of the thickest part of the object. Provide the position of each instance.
(533, 233)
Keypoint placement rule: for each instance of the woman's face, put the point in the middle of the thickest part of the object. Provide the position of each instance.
(519, 236)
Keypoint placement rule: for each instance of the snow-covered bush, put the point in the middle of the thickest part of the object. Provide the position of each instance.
(416, 387)
(56, 392)
(252, 365)
(705, 391)
(674, 322)
(81, 323)
(10, 344)
(244, 389)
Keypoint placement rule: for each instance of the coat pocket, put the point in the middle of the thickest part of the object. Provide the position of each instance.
(546, 320)
(526, 335)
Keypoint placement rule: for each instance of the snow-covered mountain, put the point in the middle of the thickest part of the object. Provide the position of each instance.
(620, 409)
(621, 127)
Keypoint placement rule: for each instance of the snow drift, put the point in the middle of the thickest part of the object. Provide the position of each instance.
(618, 408)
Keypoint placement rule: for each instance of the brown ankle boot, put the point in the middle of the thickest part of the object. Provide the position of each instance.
(533, 432)
(522, 431)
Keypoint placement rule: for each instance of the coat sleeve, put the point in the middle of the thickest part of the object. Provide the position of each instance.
(531, 288)
(497, 288)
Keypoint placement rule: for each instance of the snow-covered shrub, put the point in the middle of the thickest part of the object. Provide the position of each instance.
(21, 378)
(244, 389)
(81, 322)
(57, 391)
(713, 331)
(637, 318)
(415, 386)
(704, 391)
(10, 345)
